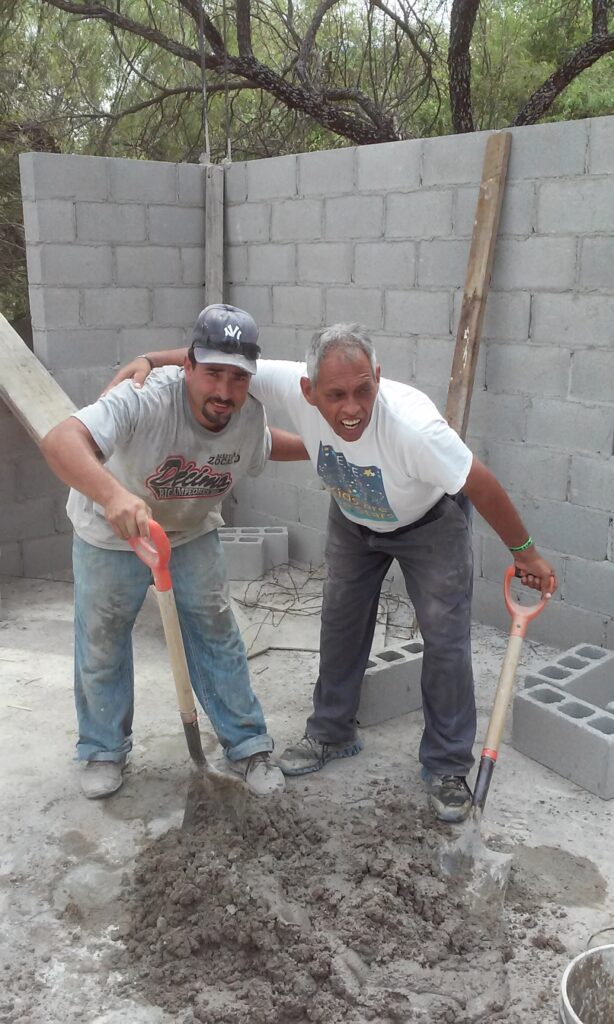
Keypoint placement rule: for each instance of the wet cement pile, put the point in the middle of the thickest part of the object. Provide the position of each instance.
(306, 910)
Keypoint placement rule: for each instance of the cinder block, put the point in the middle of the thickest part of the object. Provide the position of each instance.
(324, 263)
(48, 556)
(11, 563)
(250, 222)
(133, 341)
(390, 165)
(592, 373)
(561, 719)
(296, 305)
(517, 211)
(421, 214)
(271, 179)
(391, 683)
(582, 206)
(75, 265)
(116, 307)
(24, 520)
(418, 312)
(110, 222)
(326, 173)
(548, 150)
(244, 554)
(354, 217)
(350, 305)
(453, 158)
(500, 416)
(443, 262)
(54, 307)
(397, 357)
(531, 370)
(147, 265)
(601, 150)
(274, 539)
(592, 482)
(562, 526)
(570, 425)
(49, 220)
(255, 298)
(292, 221)
(530, 469)
(175, 225)
(579, 321)
(590, 585)
(177, 305)
(144, 181)
(191, 183)
(597, 263)
(271, 264)
(55, 175)
(385, 264)
(434, 361)
(535, 262)
(235, 270)
(235, 183)
(507, 315)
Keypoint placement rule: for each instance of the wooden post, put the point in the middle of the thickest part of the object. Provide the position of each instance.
(214, 234)
(477, 281)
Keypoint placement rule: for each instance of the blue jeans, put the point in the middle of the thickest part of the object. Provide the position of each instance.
(110, 587)
(436, 560)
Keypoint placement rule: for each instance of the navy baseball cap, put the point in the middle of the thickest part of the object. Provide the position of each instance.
(227, 335)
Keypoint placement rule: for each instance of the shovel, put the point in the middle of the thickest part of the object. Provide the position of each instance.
(155, 552)
(468, 855)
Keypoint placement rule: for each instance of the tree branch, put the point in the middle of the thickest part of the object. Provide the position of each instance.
(462, 20)
(581, 59)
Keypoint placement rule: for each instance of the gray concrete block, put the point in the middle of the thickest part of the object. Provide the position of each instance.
(49, 220)
(548, 150)
(177, 305)
(133, 341)
(110, 222)
(147, 265)
(576, 320)
(250, 222)
(591, 482)
(297, 220)
(11, 561)
(534, 262)
(592, 373)
(174, 225)
(24, 520)
(55, 175)
(48, 557)
(191, 184)
(326, 173)
(142, 181)
(257, 299)
(579, 207)
(385, 264)
(423, 214)
(597, 264)
(279, 343)
(528, 370)
(571, 425)
(557, 625)
(306, 545)
(442, 262)
(271, 179)
(518, 211)
(79, 349)
(324, 263)
(574, 529)
(274, 497)
(8, 475)
(601, 146)
(314, 506)
(274, 540)
(397, 356)
(353, 217)
(296, 305)
(15, 442)
(500, 416)
(271, 264)
(388, 166)
(54, 307)
(495, 558)
(590, 585)
(434, 362)
(566, 735)
(391, 683)
(417, 312)
(35, 479)
(350, 305)
(530, 470)
(74, 265)
(244, 556)
(116, 307)
(507, 315)
(235, 183)
(453, 159)
(236, 263)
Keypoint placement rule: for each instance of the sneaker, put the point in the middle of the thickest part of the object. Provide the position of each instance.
(261, 776)
(449, 795)
(101, 778)
(309, 755)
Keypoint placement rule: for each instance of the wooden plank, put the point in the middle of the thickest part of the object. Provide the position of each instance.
(28, 389)
(477, 281)
(214, 234)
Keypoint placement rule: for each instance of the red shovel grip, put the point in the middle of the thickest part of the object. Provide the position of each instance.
(155, 551)
(521, 616)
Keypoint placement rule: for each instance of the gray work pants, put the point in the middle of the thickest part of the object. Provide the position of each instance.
(436, 558)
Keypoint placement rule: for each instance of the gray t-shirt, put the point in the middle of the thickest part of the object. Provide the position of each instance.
(151, 442)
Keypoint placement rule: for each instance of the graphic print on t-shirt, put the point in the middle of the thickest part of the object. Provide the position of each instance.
(177, 477)
(358, 490)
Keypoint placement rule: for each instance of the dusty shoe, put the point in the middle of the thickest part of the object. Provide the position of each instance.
(309, 755)
(449, 795)
(261, 776)
(101, 778)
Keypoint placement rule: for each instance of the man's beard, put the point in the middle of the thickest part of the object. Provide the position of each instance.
(218, 419)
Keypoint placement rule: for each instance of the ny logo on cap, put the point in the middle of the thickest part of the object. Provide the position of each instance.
(231, 331)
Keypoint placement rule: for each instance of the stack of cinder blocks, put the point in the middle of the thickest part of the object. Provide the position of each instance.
(391, 683)
(564, 718)
(252, 550)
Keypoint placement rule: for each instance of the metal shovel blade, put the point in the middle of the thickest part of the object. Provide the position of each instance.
(484, 873)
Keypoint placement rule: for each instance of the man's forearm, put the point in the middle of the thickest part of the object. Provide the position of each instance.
(287, 447)
(494, 505)
(168, 357)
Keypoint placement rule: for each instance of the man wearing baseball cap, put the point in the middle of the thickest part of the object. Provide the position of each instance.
(171, 451)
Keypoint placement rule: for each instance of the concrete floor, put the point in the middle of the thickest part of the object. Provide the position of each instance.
(63, 859)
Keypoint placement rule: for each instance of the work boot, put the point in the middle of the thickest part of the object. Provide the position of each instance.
(449, 795)
(261, 776)
(309, 755)
(101, 778)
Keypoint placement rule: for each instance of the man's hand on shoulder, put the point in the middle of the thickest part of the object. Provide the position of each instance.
(137, 371)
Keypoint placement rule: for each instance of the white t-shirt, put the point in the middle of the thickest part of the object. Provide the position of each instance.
(406, 460)
(152, 444)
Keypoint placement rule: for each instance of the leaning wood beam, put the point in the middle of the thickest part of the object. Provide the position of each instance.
(29, 390)
(214, 234)
(477, 281)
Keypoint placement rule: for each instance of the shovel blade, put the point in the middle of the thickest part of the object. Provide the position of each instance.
(483, 872)
(213, 795)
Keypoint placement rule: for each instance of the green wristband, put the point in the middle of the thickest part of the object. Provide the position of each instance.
(523, 547)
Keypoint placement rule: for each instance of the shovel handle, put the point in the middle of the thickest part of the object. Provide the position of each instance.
(155, 551)
(521, 615)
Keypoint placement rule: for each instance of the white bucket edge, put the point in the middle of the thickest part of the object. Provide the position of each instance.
(566, 1013)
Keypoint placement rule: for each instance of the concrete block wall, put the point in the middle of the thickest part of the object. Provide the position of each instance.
(115, 252)
(381, 234)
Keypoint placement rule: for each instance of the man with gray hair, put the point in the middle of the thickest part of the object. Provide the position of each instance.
(395, 470)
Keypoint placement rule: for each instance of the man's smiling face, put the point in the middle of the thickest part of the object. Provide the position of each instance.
(345, 392)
